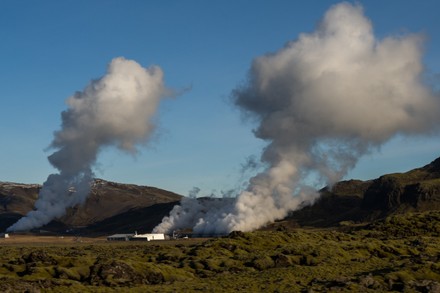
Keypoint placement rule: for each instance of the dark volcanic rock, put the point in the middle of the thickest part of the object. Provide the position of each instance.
(384, 194)
(341, 203)
(39, 256)
(358, 201)
(418, 189)
(433, 167)
(114, 273)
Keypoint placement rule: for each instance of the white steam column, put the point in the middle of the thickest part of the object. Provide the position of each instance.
(115, 110)
(321, 102)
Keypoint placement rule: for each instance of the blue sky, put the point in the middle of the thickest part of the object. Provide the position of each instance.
(50, 49)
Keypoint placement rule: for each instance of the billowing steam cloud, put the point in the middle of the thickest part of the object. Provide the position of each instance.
(115, 110)
(320, 102)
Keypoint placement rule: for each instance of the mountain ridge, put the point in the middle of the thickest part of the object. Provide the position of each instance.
(106, 200)
(363, 201)
(116, 207)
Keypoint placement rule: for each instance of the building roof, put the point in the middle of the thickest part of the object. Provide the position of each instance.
(120, 235)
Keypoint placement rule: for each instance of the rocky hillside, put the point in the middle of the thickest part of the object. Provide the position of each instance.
(359, 201)
(114, 207)
(106, 201)
(15, 201)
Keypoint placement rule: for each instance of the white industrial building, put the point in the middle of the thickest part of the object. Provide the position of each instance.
(136, 236)
(148, 237)
(4, 235)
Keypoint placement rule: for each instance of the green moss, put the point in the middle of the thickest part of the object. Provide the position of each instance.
(397, 254)
(263, 263)
(425, 273)
(172, 274)
(402, 276)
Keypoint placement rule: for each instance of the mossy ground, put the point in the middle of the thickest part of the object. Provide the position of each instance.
(400, 253)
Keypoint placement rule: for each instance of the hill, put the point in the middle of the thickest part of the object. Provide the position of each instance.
(15, 201)
(118, 208)
(417, 190)
(106, 201)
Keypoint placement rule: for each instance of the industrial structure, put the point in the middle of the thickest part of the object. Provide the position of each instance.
(120, 237)
(136, 236)
(148, 237)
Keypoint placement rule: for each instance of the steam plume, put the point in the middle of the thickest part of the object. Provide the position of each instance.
(193, 192)
(115, 110)
(321, 102)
